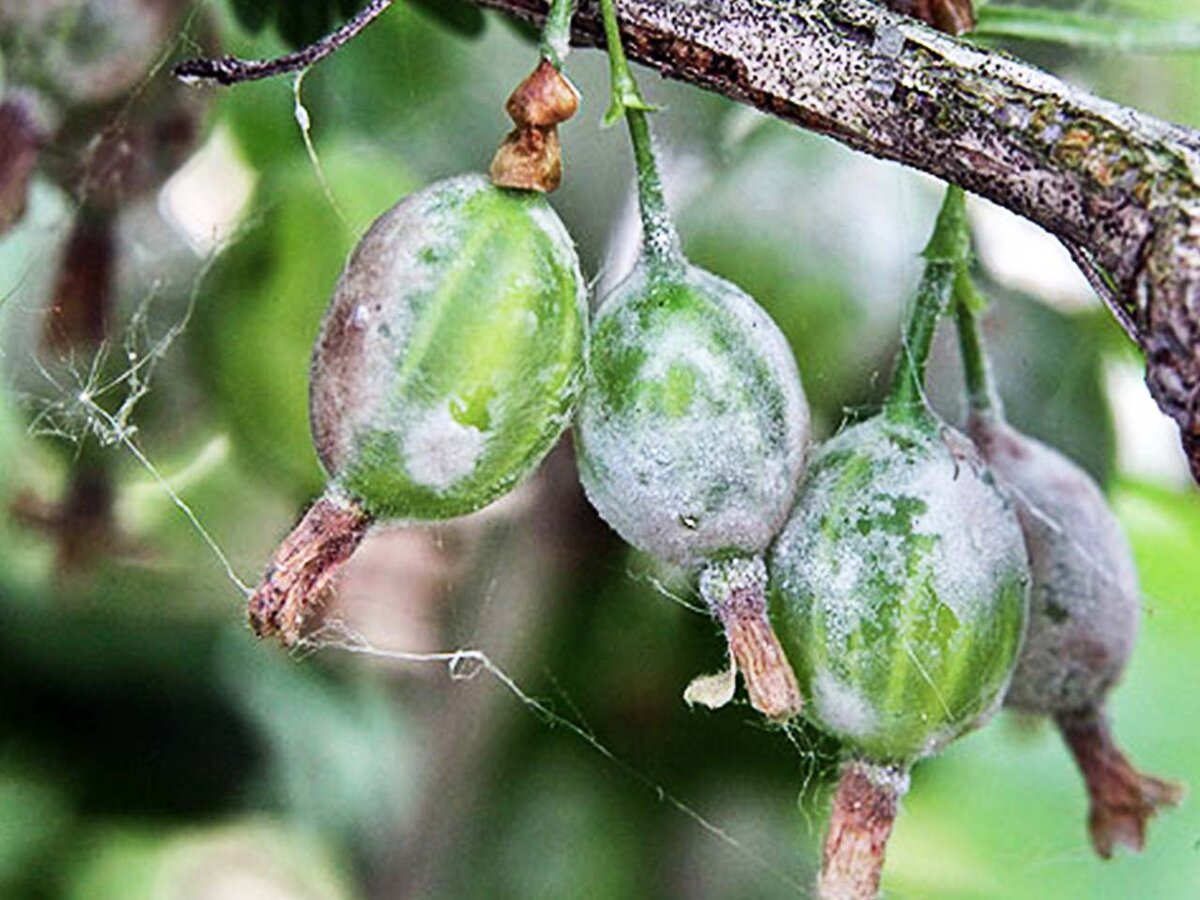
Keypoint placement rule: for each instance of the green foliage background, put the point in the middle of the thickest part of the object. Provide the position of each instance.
(147, 742)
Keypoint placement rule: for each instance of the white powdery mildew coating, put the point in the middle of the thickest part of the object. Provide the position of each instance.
(978, 542)
(388, 268)
(389, 279)
(563, 246)
(843, 709)
(439, 451)
(685, 486)
(1084, 605)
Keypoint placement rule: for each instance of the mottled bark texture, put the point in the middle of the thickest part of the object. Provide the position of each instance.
(1119, 188)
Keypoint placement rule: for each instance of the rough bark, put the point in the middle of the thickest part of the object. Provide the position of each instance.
(1119, 188)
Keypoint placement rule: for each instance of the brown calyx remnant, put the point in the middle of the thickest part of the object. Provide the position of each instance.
(864, 811)
(770, 682)
(530, 158)
(304, 567)
(950, 16)
(19, 145)
(1122, 798)
(735, 590)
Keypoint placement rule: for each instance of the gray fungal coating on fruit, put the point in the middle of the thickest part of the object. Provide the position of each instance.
(1084, 604)
(692, 430)
(452, 352)
(899, 589)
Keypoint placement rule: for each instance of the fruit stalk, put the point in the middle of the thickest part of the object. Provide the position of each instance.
(556, 32)
(982, 399)
(305, 566)
(660, 242)
(864, 811)
(945, 256)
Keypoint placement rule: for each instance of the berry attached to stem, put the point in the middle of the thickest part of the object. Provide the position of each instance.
(446, 368)
(692, 428)
(1084, 602)
(899, 588)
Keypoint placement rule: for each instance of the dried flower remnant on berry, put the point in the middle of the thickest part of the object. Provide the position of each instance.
(304, 567)
(426, 403)
(530, 158)
(1084, 604)
(864, 811)
(693, 425)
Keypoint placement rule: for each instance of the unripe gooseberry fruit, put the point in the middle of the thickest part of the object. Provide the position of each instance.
(691, 440)
(899, 589)
(1083, 622)
(693, 428)
(447, 366)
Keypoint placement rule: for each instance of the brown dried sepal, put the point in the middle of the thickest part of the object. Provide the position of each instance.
(530, 159)
(864, 811)
(19, 145)
(544, 99)
(770, 682)
(736, 594)
(950, 16)
(1122, 799)
(304, 567)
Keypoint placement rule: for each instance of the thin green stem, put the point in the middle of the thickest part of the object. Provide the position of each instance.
(946, 255)
(660, 242)
(556, 33)
(981, 389)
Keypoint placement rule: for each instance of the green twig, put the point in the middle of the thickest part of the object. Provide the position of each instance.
(660, 241)
(981, 389)
(556, 33)
(946, 257)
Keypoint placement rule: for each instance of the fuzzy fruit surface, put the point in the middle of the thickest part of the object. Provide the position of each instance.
(692, 427)
(1084, 603)
(452, 352)
(899, 589)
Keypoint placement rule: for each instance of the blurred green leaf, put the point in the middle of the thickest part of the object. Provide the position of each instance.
(298, 22)
(264, 301)
(248, 858)
(1121, 32)
(459, 16)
